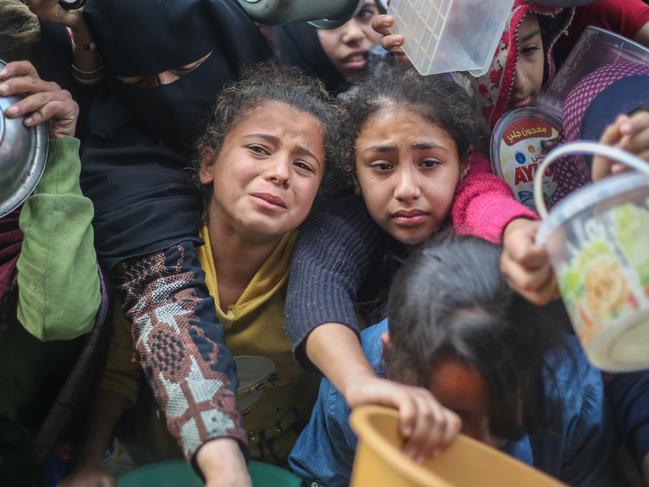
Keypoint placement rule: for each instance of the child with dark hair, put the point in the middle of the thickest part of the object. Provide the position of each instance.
(260, 164)
(409, 142)
(496, 360)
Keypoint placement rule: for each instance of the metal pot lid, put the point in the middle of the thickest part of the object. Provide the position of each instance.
(23, 152)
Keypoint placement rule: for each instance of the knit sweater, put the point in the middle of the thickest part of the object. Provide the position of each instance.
(341, 252)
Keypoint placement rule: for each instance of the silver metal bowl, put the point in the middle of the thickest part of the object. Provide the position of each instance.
(23, 152)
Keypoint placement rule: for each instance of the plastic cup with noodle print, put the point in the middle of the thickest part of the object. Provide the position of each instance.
(597, 239)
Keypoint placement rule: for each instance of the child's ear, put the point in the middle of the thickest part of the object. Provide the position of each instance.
(357, 187)
(207, 158)
(465, 163)
(385, 340)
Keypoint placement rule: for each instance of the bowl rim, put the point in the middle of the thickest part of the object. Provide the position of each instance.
(38, 152)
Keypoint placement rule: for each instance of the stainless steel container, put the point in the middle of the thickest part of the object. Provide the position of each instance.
(23, 152)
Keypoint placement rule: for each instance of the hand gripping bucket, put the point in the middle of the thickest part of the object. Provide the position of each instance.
(380, 462)
(598, 242)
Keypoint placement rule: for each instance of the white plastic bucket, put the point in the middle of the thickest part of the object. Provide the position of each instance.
(598, 242)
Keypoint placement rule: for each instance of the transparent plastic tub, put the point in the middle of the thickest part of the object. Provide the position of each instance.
(443, 36)
(597, 239)
(596, 48)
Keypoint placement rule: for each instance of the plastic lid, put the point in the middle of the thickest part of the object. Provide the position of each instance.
(588, 196)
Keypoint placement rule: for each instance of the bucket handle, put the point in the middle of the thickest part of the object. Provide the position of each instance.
(573, 148)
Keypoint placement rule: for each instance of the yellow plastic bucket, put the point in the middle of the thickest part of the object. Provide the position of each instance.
(380, 462)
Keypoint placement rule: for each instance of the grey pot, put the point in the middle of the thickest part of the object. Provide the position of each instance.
(324, 14)
(23, 152)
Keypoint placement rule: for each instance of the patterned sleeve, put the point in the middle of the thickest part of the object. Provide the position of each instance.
(181, 346)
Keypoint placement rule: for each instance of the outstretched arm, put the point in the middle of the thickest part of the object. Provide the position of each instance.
(57, 271)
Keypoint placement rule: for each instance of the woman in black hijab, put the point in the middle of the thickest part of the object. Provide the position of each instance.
(165, 60)
(339, 56)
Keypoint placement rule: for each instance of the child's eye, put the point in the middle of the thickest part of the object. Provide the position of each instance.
(303, 166)
(258, 149)
(381, 166)
(429, 163)
(366, 14)
(527, 51)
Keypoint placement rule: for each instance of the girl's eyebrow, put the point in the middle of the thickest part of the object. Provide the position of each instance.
(415, 146)
(531, 35)
(380, 148)
(428, 145)
(302, 150)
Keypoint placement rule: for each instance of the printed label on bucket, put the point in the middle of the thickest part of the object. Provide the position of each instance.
(604, 280)
(518, 147)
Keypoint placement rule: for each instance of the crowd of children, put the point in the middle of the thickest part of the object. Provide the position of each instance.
(256, 198)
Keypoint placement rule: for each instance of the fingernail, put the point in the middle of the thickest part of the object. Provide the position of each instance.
(12, 110)
(29, 121)
(407, 431)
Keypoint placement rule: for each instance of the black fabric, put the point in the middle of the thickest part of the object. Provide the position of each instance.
(144, 199)
(298, 45)
(135, 161)
(54, 60)
(148, 37)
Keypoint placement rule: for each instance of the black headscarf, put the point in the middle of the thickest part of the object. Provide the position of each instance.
(298, 45)
(146, 37)
(144, 197)
(135, 160)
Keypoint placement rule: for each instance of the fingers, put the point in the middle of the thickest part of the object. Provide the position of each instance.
(382, 24)
(526, 265)
(433, 428)
(18, 68)
(24, 85)
(41, 107)
(538, 286)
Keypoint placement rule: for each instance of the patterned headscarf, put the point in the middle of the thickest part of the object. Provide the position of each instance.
(593, 104)
(493, 90)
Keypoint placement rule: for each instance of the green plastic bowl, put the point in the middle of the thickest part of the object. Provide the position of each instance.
(177, 473)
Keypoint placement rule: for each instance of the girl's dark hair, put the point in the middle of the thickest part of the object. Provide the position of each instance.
(261, 83)
(438, 100)
(450, 301)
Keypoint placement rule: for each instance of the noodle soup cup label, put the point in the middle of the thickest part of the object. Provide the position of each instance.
(601, 259)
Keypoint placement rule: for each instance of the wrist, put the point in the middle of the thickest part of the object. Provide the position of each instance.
(513, 225)
(215, 455)
(80, 34)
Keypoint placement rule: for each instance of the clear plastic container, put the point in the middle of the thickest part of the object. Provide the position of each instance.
(443, 36)
(596, 48)
(597, 239)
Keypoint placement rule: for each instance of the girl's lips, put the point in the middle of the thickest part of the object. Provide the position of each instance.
(410, 218)
(523, 102)
(355, 61)
(269, 201)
